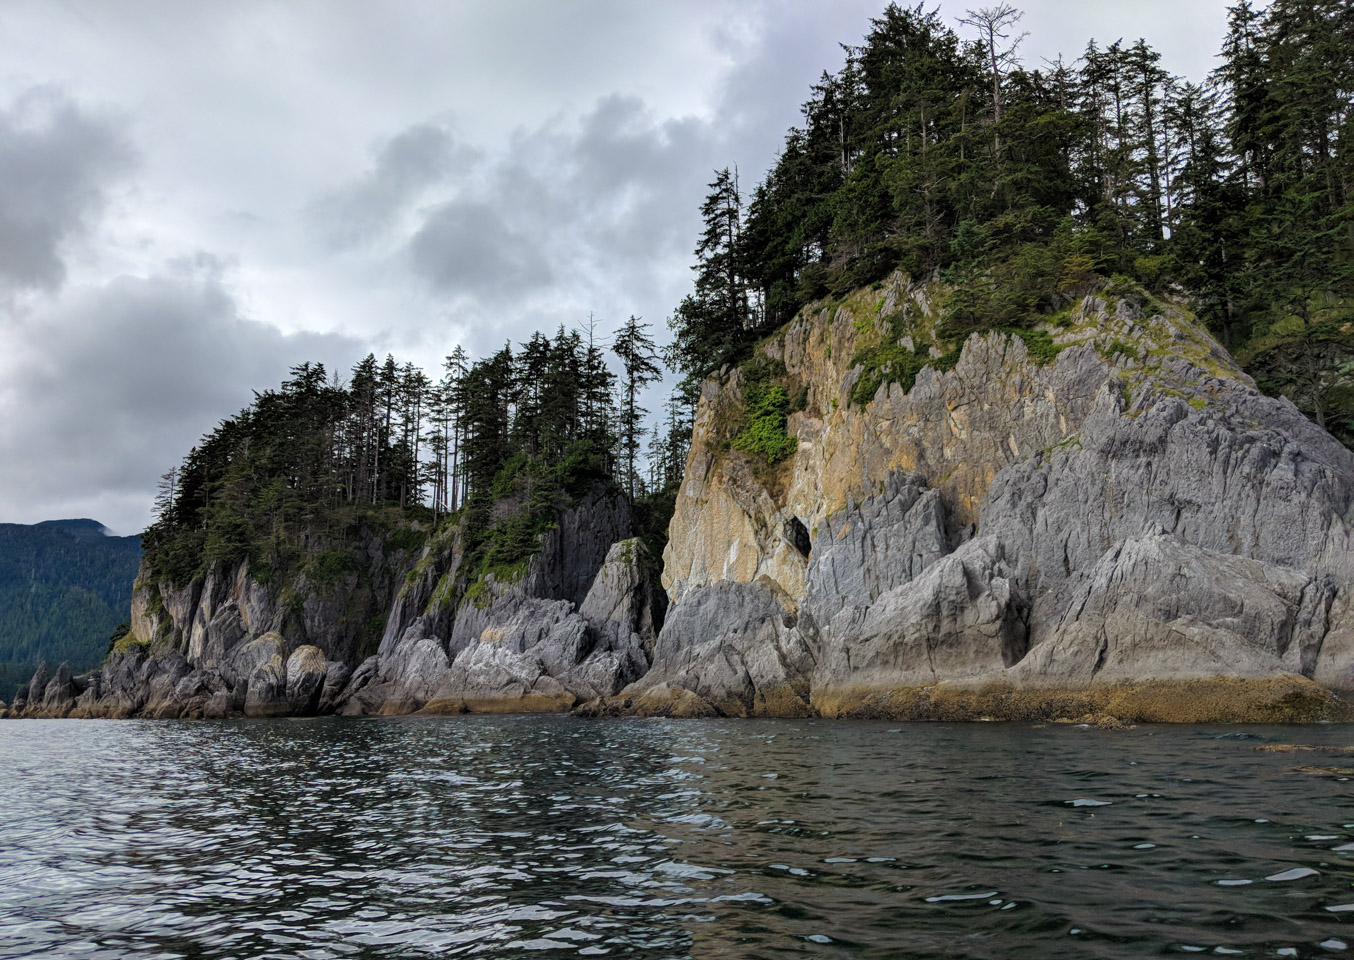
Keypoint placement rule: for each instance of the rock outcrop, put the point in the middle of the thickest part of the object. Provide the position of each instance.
(572, 626)
(1123, 507)
(1100, 517)
(577, 621)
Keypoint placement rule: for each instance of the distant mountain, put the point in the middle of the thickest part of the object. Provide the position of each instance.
(64, 586)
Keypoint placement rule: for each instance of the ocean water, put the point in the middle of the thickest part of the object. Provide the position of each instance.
(554, 836)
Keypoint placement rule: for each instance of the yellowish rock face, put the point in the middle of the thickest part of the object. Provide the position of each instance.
(957, 429)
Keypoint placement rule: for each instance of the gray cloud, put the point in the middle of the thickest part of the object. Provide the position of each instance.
(57, 161)
(572, 217)
(406, 165)
(465, 247)
(110, 386)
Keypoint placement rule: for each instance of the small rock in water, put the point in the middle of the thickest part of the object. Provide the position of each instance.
(1333, 944)
(818, 938)
(1297, 873)
(1287, 952)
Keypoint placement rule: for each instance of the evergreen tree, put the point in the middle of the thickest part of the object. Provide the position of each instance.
(709, 324)
(638, 358)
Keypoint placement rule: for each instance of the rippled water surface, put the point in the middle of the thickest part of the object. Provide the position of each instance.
(528, 836)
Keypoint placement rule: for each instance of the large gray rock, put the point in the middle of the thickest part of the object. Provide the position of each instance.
(741, 648)
(336, 677)
(250, 655)
(160, 679)
(306, 671)
(59, 694)
(963, 618)
(37, 686)
(1156, 608)
(266, 690)
(870, 548)
(626, 591)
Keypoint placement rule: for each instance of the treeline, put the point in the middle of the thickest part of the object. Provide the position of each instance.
(1026, 187)
(510, 438)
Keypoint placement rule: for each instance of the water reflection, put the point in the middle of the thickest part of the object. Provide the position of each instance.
(526, 836)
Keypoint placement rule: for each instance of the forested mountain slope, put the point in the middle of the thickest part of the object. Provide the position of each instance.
(64, 586)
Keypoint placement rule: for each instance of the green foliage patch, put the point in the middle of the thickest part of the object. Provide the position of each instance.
(1040, 346)
(328, 568)
(767, 404)
(890, 361)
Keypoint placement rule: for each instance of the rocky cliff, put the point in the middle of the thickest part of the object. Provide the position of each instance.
(1101, 516)
(1036, 525)
(574, 622)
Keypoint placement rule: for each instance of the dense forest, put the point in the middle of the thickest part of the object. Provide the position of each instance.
(933, 151)
(1024, 188)
(501, 443)
(65, 586)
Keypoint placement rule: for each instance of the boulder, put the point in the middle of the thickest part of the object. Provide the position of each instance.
(266, 690)
(306, 672)
(742, 648)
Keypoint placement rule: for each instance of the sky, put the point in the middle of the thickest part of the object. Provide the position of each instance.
(196, 196)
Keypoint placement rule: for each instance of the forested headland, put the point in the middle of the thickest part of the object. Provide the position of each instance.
(934, 149)
(499, 444)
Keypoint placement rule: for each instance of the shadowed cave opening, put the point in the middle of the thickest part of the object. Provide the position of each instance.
(798, 534)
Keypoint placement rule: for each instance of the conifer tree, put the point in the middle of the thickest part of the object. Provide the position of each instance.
(638, 357)
(711, 322)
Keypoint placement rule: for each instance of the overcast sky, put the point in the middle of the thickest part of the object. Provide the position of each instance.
(195, 196)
